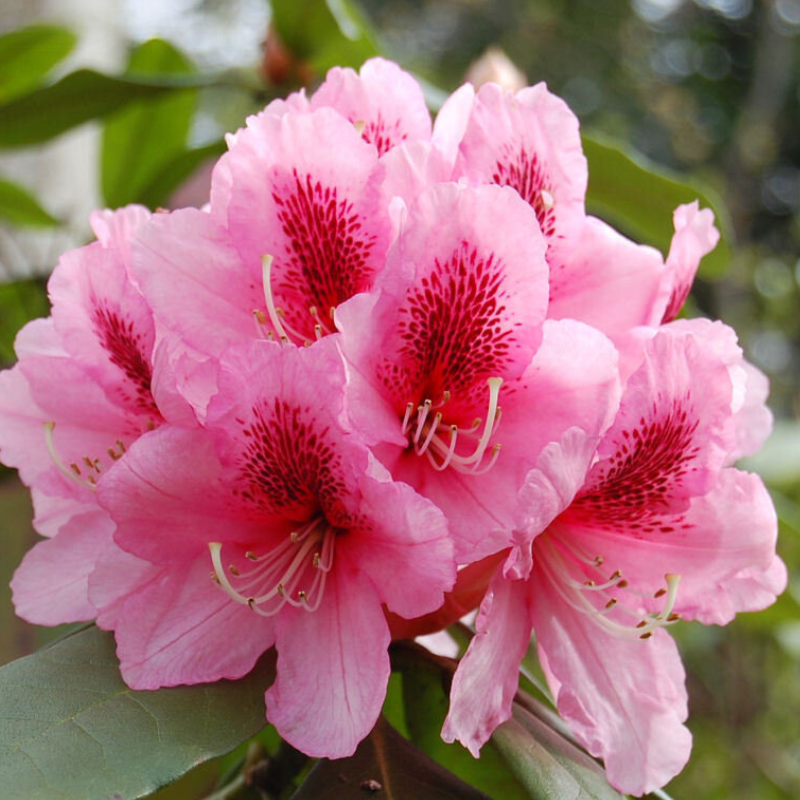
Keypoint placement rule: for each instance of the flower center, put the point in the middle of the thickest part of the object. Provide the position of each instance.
(431, 436)
(293, 572)
(607, 599)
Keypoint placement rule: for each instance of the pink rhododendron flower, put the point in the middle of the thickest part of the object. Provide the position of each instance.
(79, 396)
(302, 228)
(309, 537)
(456, 329)
(615, 541)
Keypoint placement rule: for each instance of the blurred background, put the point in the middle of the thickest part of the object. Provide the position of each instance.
(708, 90)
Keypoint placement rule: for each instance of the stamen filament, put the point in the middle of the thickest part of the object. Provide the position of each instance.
(266, 275)
(72, 474)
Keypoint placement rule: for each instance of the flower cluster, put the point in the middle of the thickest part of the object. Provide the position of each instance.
(392, 364)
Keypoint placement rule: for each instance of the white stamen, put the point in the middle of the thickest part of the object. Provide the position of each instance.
(274, 317)
(576, 594)
(548, 201)
(276, 578)
(74, 473)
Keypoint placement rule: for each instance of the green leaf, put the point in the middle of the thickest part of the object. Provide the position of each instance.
(20, 302)
(28, 54)
(71, 729)
(547, 765)
(426, 698)
(173, 173)
(81, 96)
(326, 33)
(639, 197)
(141, 139)
(20, 207)
(386, 766)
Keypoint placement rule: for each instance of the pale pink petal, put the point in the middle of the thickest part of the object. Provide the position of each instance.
(487, 677)
(183, 381)
(87, 426)
(411, 169)
(115, 229)
(166, 496)
(571, 382)
(752, 418)
(695, 236)
(52, 512)
(624, 699)
(106, 325)
(38, 338)
(529, 141)
(404, 547)
(547, 491)
(451, 122)
(385, 99)
(116, 576)
(51, 585)
(600, 268)
(333, 668)
(195, 282)
(181, 629)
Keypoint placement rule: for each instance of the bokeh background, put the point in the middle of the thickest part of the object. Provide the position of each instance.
(707, 88)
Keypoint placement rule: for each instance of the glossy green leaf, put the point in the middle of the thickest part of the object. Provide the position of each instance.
(638, 197)
(426, 700)
(385, 766)
(325, 33)
(80, 97)
(141, 139)
(28, 54)
(71, 730)
(174, 172)
(546, 764)
(19, 207)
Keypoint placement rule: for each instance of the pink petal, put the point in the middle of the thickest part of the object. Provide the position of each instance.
(547, 491)
(695, 236)
(115, 229)
(333, 668)
(624, 700)
(182, 629)
(600, 267)
(106, 325)
(488, 675)
(195, 282)
(571, 382)
(451, 122)
(51, 585)
(166, 496)
(529, 141)
(306, 190)
(384, 98)
(404, 549)
(116, 576)
(670, 438)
